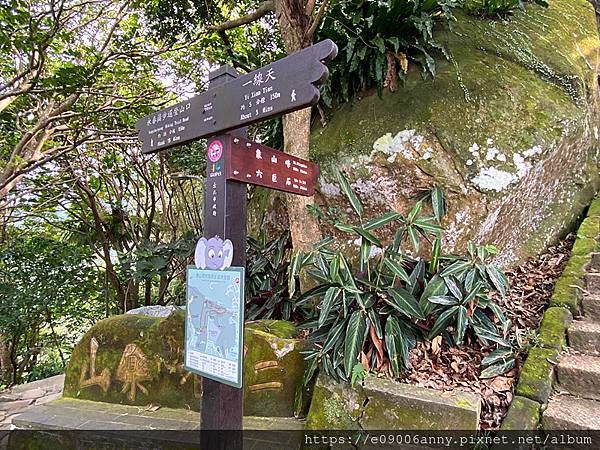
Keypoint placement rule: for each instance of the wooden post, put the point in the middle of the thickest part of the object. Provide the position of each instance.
(225, 215)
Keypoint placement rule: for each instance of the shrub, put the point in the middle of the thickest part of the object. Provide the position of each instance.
(373, 308)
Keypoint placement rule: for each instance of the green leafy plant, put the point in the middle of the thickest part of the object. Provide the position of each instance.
(267, 294)
(379, 38)
(372, 307)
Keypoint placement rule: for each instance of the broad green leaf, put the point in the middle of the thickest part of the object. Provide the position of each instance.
(363, 261)
(354, 340)
(349, 193)
(317, 291)
(461, 324)
(443, 300)
(437, 202)
(335, 335)
(415, 211)
(426, 226)
(370, 237)
(323, 243)
(345, 228)
(398, 341)
(443, 321)
(396, 269)
(358, 373)
(435, 287)
(498, 279)
(314, 274)
(436, 253)
(375, 322)
(378, 41)
(330, 300)
(404, 302)
(486, 335)
(322, 264)
(498, 369)
(414, 238)
(506, 323)
(382, 220)
(469, 279)
(392, 342)
(471, 295)
(454, 288)
(455, 268)
(501, 354)
(294, 272)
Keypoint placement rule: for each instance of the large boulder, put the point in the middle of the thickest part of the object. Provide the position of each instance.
(508, 128)
(136, 359)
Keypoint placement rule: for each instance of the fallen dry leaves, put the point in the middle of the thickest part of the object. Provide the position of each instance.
(435, 365)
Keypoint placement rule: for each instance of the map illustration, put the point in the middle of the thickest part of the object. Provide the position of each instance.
(214, 324)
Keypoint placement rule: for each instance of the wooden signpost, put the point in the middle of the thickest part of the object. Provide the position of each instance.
(220, 114)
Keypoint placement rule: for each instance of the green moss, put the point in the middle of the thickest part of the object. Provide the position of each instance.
(335, 406)
(486, 94)
(568, 287)
(161, 341)
(535, 379)
(523, 414)
(275, 360)
(280, 328)
(552, 331)
(594, 210)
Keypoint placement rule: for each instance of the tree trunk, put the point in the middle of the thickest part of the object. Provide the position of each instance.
(294, 24)
(6, 366)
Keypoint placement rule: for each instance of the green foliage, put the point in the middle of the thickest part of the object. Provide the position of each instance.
(267, 295)
(376, 39)
(45, 284)
(374, 306)
(358, 373)
(152, 259)
(495, 8)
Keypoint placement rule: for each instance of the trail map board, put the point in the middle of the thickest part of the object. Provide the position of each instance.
(214, 336)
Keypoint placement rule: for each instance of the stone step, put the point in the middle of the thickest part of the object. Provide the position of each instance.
(591, 307)
(592, 283)
(141, 428)
(580, 375)
(565, 412)
(595, 262)
(584, 336)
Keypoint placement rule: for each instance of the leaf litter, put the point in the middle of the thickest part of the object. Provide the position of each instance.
(439, 366)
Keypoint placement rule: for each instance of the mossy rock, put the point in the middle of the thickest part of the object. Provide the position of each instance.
(521, 91)
(553, 330)
(537, 374)
(594, 210)
(383, 404)
(570, 285)
(335, 405)
(139, 361)
(273, 369)
(523, 414)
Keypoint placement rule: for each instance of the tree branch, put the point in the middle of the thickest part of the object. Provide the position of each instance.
(315, 23)
(266, 7)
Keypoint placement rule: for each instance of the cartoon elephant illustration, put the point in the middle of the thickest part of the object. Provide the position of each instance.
(213, 253)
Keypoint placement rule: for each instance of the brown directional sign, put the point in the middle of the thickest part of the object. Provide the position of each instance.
(252, 163)
(286, 85)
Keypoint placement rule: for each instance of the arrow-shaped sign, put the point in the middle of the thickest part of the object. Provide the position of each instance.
(284, 86)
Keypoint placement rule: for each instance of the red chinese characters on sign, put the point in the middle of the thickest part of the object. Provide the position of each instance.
(258, 164)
